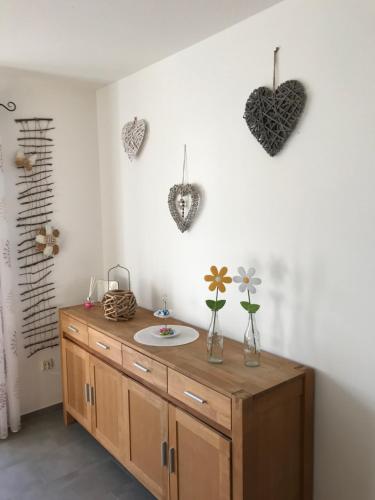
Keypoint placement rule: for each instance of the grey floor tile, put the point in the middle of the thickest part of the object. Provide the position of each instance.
(68, 458)
(135, 491)
(98, 481)
(48, 461)
(17, 479)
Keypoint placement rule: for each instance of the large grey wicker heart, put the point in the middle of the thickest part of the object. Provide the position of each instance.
(175, 194)
(272, 116)
(132, 135)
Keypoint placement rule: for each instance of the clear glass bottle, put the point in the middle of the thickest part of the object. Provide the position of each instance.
(215, 340)
(251, 343)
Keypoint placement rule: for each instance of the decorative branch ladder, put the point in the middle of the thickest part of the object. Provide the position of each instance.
(35, 197)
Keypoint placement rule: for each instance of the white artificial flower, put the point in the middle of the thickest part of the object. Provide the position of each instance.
(247, 280)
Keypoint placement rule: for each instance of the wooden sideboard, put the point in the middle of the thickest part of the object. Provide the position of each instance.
(187, 429)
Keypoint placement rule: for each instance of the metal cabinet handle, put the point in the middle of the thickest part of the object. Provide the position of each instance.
(92, 396)
(141, 367)
(195, 397)
(171, 460)
(164, 447)
(102, 346)
(73, 329)
(87, 393)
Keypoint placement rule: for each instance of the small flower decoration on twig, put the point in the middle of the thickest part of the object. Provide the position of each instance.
(25, 161)
(217, 280)
(248, 282)
(47, 241)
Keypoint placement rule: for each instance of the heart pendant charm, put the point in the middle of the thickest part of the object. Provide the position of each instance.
(272, 116)
(132, 136)
(177, 203)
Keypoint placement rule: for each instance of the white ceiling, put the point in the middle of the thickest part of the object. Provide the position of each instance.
(105, 40)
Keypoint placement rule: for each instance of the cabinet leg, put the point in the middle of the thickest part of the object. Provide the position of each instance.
(68, 419)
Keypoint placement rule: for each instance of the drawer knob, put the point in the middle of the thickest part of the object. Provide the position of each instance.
(102, 346)
(141, 367)
(195, 397)
(73, 329)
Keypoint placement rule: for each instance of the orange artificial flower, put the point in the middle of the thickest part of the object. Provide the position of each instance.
(218, 278)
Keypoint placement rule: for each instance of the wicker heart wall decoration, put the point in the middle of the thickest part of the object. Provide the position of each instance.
(183, 197)
(272, 115)
(177, 203)
(133, 134)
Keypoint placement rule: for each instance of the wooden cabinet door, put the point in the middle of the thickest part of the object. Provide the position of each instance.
(199, 459)
(146, 420)
(107, 408)
(76, 382)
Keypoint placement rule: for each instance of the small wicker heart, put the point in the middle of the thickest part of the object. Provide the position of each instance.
(272, 116)
(175, 194)
(133, 134)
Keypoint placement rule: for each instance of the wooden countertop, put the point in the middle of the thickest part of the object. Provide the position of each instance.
(229, 378)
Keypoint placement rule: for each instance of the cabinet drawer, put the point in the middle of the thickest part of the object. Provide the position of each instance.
(144, 367)
(105, 345)
(206, 401)
(74, 328)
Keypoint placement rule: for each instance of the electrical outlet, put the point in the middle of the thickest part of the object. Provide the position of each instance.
(48, 364)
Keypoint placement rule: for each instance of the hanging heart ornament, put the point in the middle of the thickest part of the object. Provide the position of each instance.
(183, 196)
(133, 134)
(272, 116)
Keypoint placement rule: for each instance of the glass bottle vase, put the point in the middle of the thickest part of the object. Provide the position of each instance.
(215, 340)
(251, 344)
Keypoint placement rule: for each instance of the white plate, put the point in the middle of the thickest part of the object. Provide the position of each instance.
(150, 336)
(158, 336)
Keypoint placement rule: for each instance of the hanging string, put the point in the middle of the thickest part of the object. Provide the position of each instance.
(274, 67)
(184, 166)
(182, 202)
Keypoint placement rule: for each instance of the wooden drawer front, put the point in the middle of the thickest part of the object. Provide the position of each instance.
(105, 345)
(144, 367)
(210, 403)
(74, 328)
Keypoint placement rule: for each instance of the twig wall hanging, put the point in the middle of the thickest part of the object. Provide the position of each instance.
(183, 201)
(272, 115)
(38, 239)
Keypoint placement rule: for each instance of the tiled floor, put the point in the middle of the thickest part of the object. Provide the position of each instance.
(47, 461)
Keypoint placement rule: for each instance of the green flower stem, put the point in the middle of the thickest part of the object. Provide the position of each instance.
(251, 317)
(215, 312)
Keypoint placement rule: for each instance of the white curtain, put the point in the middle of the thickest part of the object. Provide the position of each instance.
(9, 396)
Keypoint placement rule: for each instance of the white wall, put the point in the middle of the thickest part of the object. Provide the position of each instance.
(72, 105)
(305, 218)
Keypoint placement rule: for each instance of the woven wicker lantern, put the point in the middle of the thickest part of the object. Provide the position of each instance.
(119, 305)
